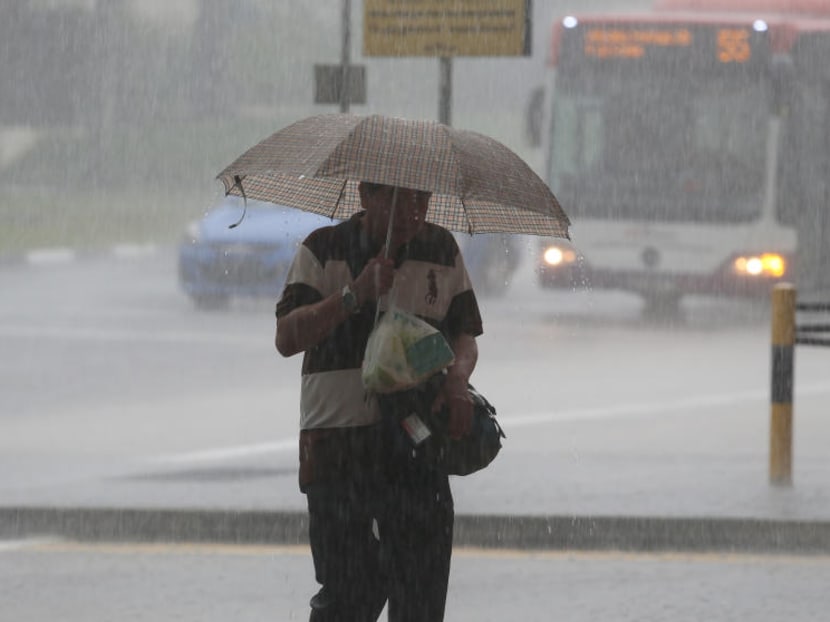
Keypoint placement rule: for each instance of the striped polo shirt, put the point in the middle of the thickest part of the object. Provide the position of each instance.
(431, 282)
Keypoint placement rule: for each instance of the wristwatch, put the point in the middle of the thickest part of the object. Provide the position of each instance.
(349, 300)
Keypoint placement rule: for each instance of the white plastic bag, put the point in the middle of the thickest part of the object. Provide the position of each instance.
(402, 352)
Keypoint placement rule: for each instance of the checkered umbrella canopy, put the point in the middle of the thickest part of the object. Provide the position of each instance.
(478, 184)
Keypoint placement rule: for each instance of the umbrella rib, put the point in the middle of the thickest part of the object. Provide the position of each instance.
(339, 198)
(469, 220)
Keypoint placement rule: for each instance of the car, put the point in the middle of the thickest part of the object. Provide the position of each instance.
(491, 260)
(218, 263)
(559, 265)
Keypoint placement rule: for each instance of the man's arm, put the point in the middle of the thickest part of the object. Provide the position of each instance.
(306, 326)
(454, 393)
(465, 349)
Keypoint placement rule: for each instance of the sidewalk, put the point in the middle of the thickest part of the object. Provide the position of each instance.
(622, 533)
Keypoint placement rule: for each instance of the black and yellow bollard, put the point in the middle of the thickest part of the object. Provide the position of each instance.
(781, 422)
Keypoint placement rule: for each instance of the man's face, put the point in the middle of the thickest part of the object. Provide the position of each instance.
(409, 217)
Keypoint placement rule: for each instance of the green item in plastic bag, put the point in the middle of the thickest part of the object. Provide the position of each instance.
(429, 355)
(402, 352)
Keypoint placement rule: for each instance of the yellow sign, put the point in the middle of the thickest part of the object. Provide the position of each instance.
(445, 27)
(632, 43)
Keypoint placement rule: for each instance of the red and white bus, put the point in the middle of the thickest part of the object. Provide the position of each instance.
(691, 148)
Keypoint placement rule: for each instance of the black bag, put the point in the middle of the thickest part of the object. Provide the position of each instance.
(479, 448)
(420, 434)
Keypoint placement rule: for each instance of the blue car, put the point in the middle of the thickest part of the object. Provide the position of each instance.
(217, 263)
(491, 260)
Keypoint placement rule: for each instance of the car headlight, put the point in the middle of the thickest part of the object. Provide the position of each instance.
(761, 265)
(555, 255)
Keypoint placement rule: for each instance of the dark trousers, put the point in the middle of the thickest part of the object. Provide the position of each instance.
(381, 533)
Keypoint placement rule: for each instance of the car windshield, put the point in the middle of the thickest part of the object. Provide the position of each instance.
(653, 146)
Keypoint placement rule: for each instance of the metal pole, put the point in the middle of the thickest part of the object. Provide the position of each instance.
(781, 420)
(345, 55)
(445, 91)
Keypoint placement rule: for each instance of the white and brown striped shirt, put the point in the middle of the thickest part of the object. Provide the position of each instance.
(431, 282)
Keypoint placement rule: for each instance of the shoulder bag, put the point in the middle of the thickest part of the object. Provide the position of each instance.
(425, 436)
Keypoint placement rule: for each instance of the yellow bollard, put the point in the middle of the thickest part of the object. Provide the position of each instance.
(781, 423)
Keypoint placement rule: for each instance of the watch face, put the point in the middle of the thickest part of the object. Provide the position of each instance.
(349, 300)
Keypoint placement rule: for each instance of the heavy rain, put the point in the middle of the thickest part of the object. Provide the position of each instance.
(654, 465)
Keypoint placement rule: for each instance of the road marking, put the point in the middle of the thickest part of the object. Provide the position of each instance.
(27, 543)
(62, 255)
(219, 454)
(67, 333)
(133, 251)
(230, 453)
(50, 256)
(650, 408)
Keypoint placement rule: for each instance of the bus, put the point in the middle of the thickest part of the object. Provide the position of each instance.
(690, 146)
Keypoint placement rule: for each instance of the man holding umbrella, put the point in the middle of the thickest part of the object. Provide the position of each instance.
(380, 521)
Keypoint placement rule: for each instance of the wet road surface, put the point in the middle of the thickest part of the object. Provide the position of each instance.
(71, 582)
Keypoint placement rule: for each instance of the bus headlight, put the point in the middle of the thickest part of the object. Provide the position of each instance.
(763, 265)
(558, 255)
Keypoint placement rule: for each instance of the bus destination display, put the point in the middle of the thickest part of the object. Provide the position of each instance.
(702, 45)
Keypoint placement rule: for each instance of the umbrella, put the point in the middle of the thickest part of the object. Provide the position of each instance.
(478, 185)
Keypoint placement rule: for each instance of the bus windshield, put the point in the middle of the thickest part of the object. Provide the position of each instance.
(647, 144)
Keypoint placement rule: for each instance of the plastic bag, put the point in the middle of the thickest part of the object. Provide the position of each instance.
(402, 352)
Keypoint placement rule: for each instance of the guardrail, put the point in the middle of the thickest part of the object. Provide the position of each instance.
(786, 334)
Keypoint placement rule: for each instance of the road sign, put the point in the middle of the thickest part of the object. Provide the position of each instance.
(446, 29)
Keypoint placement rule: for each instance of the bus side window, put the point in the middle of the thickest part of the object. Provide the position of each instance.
(789, 189)
(576, 139)
(804, 180)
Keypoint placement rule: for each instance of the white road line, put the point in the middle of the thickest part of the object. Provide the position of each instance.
(49, 256)
(28, 543)
(692, 403)
(131, 251)
(68, 333)
(635, 409)
(675, 406)
(229, 453)
(62, 255)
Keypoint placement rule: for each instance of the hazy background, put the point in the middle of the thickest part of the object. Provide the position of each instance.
(116, 115)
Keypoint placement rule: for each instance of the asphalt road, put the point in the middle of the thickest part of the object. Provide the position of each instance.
(70, 582)
(116, 391)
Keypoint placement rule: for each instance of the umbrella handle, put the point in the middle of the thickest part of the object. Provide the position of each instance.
(391, 220)
(388, 242)
(238, 182)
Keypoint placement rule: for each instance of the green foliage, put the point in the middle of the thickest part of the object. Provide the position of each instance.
(135, 184)
(92, 219)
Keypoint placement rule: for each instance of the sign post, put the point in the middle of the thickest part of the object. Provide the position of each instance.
(329, 86)
(444, 30)
(345, 55)
(445, 91)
